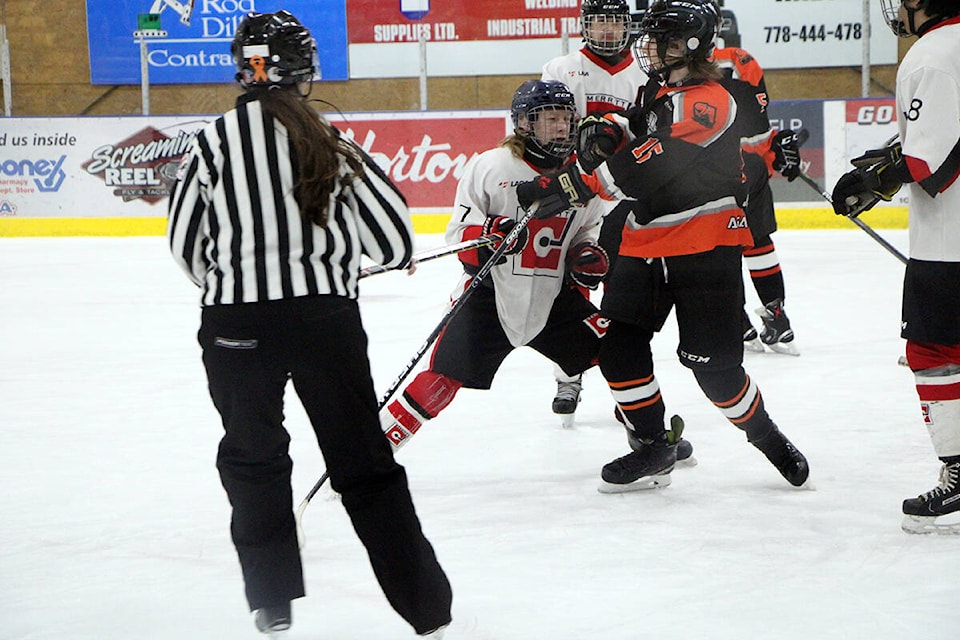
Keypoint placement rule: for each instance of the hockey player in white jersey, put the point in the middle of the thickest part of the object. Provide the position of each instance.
(603, 77)
(602, 74)
(531, 298)
(928, 160)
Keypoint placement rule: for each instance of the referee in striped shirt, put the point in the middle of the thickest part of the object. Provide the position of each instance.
(270, 215)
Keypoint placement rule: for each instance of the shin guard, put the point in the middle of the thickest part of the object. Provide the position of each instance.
(422, 400)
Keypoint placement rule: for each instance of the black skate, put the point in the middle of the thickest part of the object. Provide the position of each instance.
(684, 447)
(751, 340)
(647, 467)
(273, 620)
(923, 514)
(791, 464)
(776, 332)
(566, 401)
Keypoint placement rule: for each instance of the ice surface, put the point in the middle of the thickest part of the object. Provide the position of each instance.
(113, 523)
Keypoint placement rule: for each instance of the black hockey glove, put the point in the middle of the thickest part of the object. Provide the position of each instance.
(597, 140)
(587, 264)
(556, 193)
(786, 152)
(878, 175)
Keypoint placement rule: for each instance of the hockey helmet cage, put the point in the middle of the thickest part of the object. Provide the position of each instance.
(939, 10)
(694, 23)
(273, 49)
(599, 20)
(530, 100)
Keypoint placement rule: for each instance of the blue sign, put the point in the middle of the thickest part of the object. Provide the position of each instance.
(196, 45)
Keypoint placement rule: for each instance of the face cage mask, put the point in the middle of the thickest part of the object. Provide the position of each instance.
(606, 47)
(891, 15)
(560, 148)
(655, 68)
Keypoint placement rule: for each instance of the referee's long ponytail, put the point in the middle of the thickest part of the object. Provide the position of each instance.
(317, 148)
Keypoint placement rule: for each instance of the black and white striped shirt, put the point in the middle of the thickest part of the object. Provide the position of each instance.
(235, 227)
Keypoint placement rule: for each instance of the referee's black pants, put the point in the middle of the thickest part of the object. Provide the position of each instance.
(249, 352)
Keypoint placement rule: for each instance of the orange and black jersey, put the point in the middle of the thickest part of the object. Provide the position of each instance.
(683, 172)
(743, 77)
(738, 64)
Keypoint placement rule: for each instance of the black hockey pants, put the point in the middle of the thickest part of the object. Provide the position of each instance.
(250, 351)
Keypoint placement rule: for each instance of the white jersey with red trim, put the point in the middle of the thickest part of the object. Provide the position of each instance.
(928, 106)
(596, 85)
(528, 282)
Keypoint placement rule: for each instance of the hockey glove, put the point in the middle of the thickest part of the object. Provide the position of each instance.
(878, 175)
(786, 153)
(587, 264)
(597, 140)
(501, 225)
(556, 193)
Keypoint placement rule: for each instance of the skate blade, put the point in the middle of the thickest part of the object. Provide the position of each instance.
(687, 462)
(643, 484)
(941, 525)
(786, 348)
(753, 346)
(566, 420)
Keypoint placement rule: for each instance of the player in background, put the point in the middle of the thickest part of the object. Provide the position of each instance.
(528, 299)
(603, 77)
(927, 159)
(766, 151)
(677, 160)
(270, 216)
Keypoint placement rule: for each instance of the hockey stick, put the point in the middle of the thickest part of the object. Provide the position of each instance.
(475, 282)
(857, 221)
(432, 254)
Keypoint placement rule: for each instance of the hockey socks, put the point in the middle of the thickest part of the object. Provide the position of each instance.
(739, 400)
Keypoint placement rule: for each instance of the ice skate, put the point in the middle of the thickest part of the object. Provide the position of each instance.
(776, 332)
(685, 454)
(436, 634)
(684, 447)
(273, 621)
(566, 401)
(791, 464)
(937, 510)
(646, 467)
(751, 340)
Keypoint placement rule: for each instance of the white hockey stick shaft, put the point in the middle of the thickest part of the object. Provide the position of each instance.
(433, 254)
(475, 283)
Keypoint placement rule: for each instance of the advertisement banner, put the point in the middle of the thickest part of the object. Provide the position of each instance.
(124, 167)
(425, 153)
(813, 33)
(513, 37)
(91, 167)
(195, 45)
(483, 37)
(107, 172)
(379, 21)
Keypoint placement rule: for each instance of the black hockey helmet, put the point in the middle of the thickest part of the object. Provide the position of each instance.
(692, 23)
(531, 99)
(273, 49)
(605, 12)
(938, 10)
